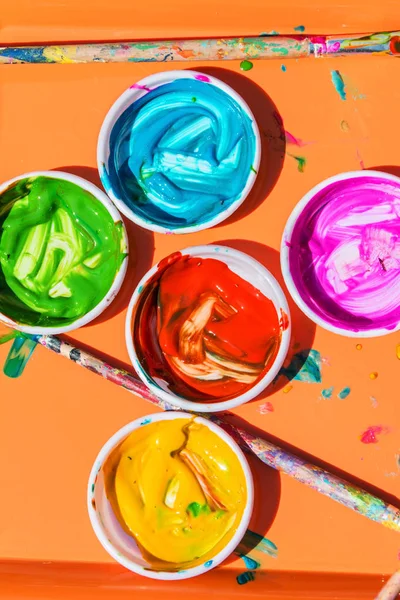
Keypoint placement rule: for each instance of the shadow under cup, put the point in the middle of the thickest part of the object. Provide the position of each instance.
(63, 251)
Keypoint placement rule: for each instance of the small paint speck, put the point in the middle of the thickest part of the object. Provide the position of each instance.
(283, 68)
(369, 436)
(92, 488)
(250, 563)
(327, 393)
(374, 401)
(245, 577)
(344, 126)
(208, 563)
(301, 162)
(287, 389)
(398, 351)
(146, 421)
(246, 65)
(265, 408)
(359, 347)
(339, 84)
(194, 99)
(140, 289)
(252, 169)
(300, 28)
(342, 395)
(373, 375)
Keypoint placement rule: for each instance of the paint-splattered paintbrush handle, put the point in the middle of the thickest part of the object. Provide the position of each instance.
(240, 48)
(324, 482)
(391, 590)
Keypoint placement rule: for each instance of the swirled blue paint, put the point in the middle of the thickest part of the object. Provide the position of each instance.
(178, 163)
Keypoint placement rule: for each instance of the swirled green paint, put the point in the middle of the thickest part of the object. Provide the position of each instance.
(60, 251)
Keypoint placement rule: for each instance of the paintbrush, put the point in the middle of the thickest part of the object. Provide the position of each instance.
(319, 479)
(217, 49)
(391, 590)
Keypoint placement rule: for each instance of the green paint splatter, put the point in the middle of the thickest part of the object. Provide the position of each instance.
(344, 393)
(195, 509)
(327, 393)
(339, 84)
(245, 577)
(246, 65)
(300, 28)
(194, 99)
(305, 366)
(92, 488)
(301, 162)
(253, 169)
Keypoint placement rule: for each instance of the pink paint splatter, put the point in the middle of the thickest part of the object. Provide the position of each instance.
(291, 139)
(137, 86)
(202, 78)
(266, 408)
(369, 435)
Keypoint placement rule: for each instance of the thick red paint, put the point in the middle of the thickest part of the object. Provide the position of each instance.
(243, 326)
(369, 435)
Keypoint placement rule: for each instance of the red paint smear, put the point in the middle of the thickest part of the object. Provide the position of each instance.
(394, 45)
(284, 320)
(137, 86)
(249, 333)
(369, 435)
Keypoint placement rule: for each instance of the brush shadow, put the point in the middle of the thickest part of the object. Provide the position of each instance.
(303, 329)
(141, 251)
(313, 460)
(272, 135)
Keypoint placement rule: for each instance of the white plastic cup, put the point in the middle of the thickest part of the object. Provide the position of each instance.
(251, 271)
(130, 96)
(123, 547)
(306, 302)
(119, 276)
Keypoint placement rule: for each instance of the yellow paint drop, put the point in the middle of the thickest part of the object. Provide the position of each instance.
(287, 389)
(373, 375)
(359, 347)
(398, 351)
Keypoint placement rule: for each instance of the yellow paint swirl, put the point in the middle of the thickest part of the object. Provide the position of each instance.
(179, 489)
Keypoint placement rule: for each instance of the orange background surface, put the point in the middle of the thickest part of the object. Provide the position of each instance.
(56, 417)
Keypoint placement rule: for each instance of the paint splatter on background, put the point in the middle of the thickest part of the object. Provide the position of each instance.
(246, 65)
(265, 408)
(300, 28)
(369, 436)
(301, 162)
(305, 366)
(327, 393)
(283, 68)
(251, 544)
(339, 84)
(342, 395)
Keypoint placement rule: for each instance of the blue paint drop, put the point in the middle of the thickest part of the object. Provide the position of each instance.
(344, 393)
(283, 68)
(208, 563)
(327, 393)
(250, 562)
(339, 84)
(255, 542)
(300, 28)
(146, 421)
(245, 577)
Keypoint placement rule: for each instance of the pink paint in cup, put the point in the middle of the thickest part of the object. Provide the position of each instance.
(340, 254)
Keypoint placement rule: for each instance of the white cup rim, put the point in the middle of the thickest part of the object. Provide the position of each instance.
(120, 274)
(285, 254)
(252, 392)
(131, 95)
(224, 553)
